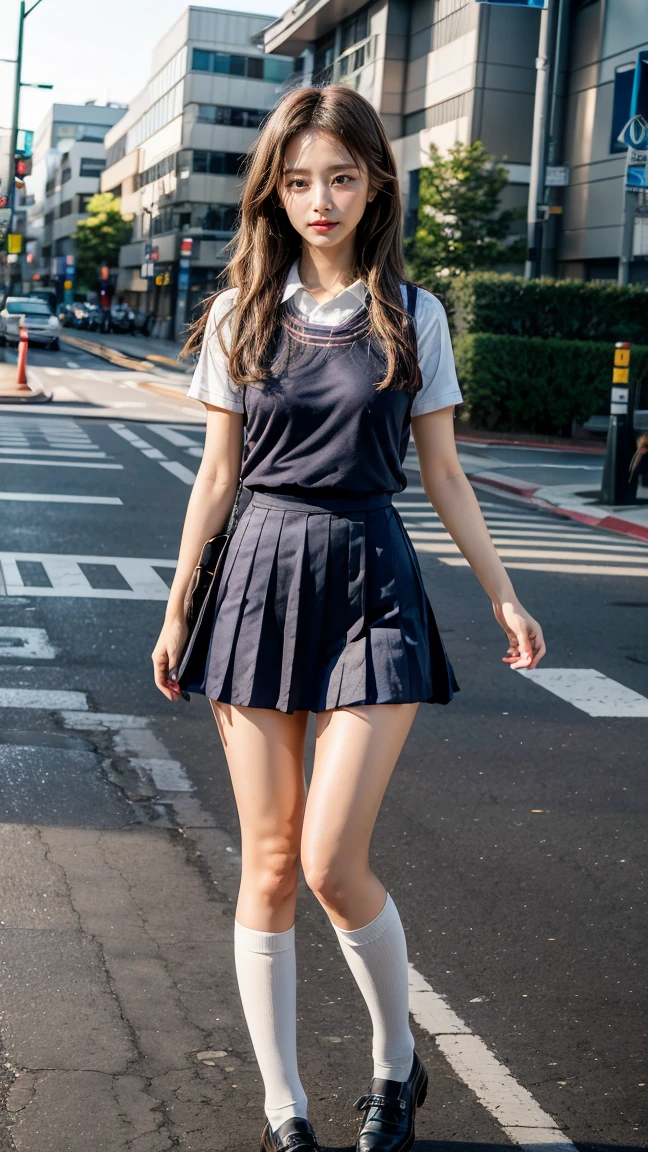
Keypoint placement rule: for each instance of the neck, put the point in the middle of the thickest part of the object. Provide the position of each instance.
(324, 269)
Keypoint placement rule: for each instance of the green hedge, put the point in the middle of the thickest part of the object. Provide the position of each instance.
(534, 385)
(564, 309)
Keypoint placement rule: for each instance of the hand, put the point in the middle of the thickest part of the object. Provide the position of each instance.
(165, 657)
(527, 646)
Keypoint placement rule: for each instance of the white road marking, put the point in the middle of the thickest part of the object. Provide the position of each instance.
(92, 455)
(133, 738)
(514, 1108)
(179, 470)
(538, 566)
(167, 775)
(61, 463)
(589, 690)
(106, 721)
(178, 439)
(45, 498)
(42, 698)
(68, 579)
(26, 643)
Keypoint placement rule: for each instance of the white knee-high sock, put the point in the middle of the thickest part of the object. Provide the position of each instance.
(377, 957)
(267, 979)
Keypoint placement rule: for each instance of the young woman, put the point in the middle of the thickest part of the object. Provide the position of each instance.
(319, 347)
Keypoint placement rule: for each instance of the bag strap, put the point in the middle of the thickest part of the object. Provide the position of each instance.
(412, 293)
(233, 520)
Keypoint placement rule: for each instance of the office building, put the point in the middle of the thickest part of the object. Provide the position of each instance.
(175, 157)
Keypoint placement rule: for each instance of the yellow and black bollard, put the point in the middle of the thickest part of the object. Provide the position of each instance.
(618, 486)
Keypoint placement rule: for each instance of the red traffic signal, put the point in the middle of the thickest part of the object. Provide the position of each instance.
(21, 168)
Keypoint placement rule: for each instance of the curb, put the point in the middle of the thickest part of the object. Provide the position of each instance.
(526, 491)
(123, 359)
(589, 449)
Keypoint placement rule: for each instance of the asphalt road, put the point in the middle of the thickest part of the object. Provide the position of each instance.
(511, 836)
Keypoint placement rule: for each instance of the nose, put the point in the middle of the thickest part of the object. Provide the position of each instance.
(322, 199)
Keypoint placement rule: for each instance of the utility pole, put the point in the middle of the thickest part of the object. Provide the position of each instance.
(539, 141)
(19, 84)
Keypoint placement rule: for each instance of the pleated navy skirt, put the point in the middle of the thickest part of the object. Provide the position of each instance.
(321, 604)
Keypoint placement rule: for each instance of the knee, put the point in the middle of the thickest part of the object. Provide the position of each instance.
(275, 872)
(326, 877)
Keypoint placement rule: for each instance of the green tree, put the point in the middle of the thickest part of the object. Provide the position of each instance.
(99, 237)
(460, 226)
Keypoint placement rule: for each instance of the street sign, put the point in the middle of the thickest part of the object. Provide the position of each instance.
(24, 141)
(14, 243)
(636, 170)
(186, 246)
(183, 279)
(557, 176)
(147, 271)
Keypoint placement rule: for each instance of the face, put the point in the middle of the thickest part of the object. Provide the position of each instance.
(323, 190)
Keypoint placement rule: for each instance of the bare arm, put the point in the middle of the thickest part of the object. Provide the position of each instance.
(208, 511)
(450, 492)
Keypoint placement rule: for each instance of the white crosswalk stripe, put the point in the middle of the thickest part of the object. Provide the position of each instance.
(528, 540)
(66, 577)
(173, 466)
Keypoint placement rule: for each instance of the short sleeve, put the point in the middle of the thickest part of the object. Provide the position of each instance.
(436, 359)
(211, 381)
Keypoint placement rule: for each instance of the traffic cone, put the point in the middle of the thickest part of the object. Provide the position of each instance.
(20, 391)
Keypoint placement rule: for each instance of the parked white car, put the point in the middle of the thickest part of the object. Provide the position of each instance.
(43, 328)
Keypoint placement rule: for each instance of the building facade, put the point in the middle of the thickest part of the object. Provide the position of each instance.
(608, 53)
(68, 159)
(175, 157)
(441, 71)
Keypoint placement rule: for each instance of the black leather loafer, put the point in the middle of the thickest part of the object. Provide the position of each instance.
(295, 1134)
(390, 1110)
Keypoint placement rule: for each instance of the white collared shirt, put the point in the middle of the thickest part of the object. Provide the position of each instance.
(211, 382)
(332, 312)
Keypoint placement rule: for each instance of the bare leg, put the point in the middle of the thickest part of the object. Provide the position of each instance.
(265, 755)
(264, 749)
(356, 751)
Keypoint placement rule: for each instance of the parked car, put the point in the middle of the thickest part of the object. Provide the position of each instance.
(43, 328)
(66, 315)
(122, 318)
(93, 317)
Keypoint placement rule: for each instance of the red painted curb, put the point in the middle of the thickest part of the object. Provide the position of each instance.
(525, 492)
(591, 450)
(520, 487)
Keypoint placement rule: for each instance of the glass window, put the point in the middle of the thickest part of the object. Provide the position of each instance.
(358, 58)
(255, 67)
(91, 166)
(236, 65)
(276, 69)
(200, 161)
(29, 308)
(201, 60)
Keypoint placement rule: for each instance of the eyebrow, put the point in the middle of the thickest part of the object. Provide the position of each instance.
(331, 168)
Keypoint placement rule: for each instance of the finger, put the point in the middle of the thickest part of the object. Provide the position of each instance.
(525, 650)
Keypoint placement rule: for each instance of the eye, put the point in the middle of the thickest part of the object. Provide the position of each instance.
(342, 176)
(297, 180)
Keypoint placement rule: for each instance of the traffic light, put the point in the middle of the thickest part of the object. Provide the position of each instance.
(23, 166)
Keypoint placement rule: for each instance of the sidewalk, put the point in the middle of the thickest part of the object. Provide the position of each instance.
(580, 501)
(147, 351)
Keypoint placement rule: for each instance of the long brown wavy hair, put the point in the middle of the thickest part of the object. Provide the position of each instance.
(265, 244)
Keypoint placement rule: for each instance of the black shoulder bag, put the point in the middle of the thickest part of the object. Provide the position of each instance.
(200, 603)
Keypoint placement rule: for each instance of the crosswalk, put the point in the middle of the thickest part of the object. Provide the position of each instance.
(534, 541)
(99, 577)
